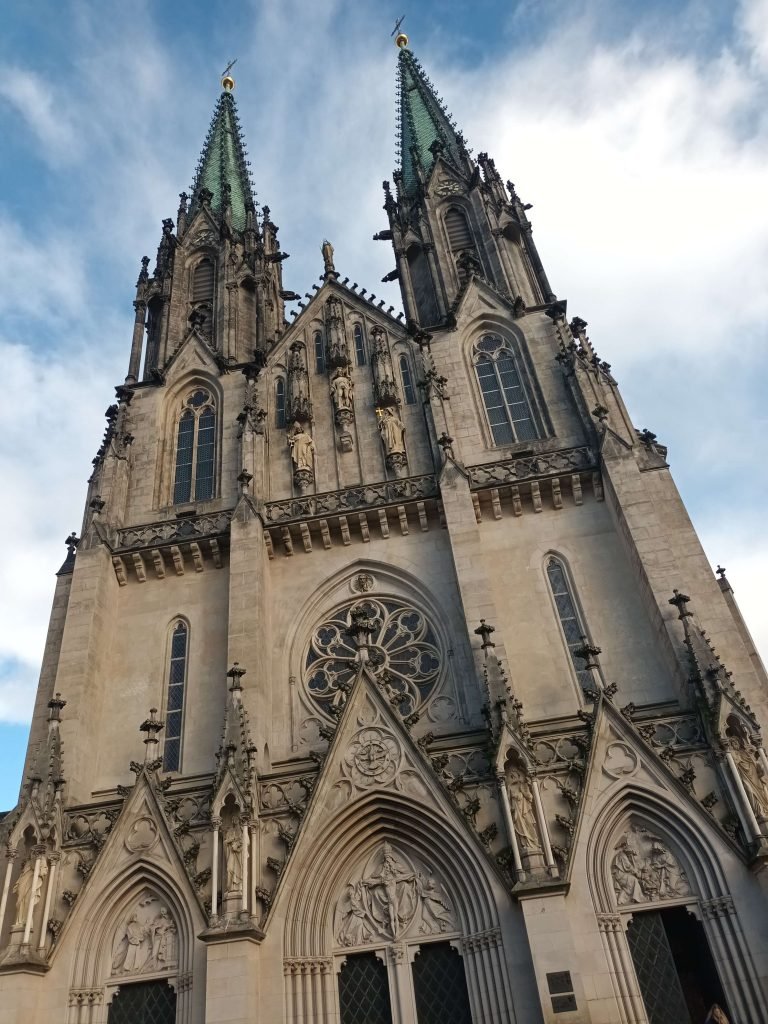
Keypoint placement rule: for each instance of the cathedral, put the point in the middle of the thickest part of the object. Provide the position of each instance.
(387, 681)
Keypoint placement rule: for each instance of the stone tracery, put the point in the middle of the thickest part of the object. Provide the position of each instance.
(402, 641)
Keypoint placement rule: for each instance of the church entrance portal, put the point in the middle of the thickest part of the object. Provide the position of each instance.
(674, 966)
(148, 1002)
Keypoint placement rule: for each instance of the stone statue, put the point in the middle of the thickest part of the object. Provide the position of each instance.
(23, 889)
(327, 251)
(355, 929)
(521, 801)
(133, 948)
(341, 392)
(753, 778)
(163, 939)
(392, 430)
(435, 909)
(302, 449)
(626, 873)
(233, 858)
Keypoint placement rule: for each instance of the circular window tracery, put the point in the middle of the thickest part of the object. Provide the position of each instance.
(402, 642)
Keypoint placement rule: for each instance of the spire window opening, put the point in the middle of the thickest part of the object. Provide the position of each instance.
(174, 707)
(359, 346)
(195, 477)
(571, 622)
(504, 394)
(280, 422)
(409, 392)
(319, 352)
(202, 282)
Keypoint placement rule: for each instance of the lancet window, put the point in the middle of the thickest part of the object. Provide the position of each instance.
(359, 345)
(174, 703)
(280, 403)
(505, 395)
(202, 282)
(196, 450)
(409, 391)
(571, 622)
(319, 352)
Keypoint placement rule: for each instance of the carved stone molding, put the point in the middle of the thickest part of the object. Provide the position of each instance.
(509, 471)
(719, 906)
(481, 940)
(307, 965)
(158, 534)
(388, 492)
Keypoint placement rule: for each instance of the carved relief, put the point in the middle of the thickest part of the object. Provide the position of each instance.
(373, 758)
(620, 760)
(390, 900)
(644, 870)
(146, 941)
(142, 835)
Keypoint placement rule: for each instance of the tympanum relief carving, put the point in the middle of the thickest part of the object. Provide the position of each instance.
(644, 870)
(145, 942)
(392, 898)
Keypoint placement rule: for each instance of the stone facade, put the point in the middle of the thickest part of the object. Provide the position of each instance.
(345, 576)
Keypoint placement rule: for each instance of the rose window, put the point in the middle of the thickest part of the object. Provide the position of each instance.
(402, 649)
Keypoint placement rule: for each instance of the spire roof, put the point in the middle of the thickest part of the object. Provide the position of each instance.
(423, 121)
(223, 163)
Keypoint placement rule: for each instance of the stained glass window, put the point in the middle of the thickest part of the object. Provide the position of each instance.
(409, 392)
(364, 991)
(174, 710)
(319, 352)
(149, 1002)
(440, 986)
(196, 450)
(401, 640)
(570, 620)
(504, 395)
(359, 345)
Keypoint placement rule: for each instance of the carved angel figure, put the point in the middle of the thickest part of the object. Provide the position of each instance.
(302, 449)
(392, 430)
(23, 889)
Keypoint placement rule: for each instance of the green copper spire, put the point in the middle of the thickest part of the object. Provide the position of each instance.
(223, 167)
(424, 124)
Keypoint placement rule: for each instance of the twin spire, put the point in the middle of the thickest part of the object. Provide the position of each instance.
(424, 129)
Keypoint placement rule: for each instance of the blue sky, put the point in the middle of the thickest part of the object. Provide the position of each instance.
(641, 138)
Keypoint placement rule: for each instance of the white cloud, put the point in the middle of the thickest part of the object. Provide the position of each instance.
(35, 101)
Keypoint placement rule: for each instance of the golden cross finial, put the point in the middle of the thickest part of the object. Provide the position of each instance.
(227, 81)
(401, 39)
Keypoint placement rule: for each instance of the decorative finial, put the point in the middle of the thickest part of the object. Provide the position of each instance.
(227, 81)
(401, 39)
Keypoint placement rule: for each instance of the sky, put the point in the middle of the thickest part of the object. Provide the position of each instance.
(639, 136)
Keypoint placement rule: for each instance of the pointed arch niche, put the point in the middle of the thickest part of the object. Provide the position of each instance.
(653, 872)
(139, 930)
(396, 599)
(390, 878)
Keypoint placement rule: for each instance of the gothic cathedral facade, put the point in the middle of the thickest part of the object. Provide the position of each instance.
(387, 681)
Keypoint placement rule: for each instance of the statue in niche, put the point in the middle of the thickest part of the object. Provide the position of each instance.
(341, 393)
(24, 891)
(521, 801)
(302, 448)
(233, 859)
(753, 777)
(392, 430)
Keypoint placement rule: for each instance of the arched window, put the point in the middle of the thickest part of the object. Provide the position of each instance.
(174, 703)
(280, 403)
(506, 402)
(319, 352)
(359, 345)
(409, 392)
(202, 281)
(570, 621)
(195, 477)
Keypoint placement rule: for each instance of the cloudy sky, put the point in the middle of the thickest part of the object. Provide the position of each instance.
(640, 138)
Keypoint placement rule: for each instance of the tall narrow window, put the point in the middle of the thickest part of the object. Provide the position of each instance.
(504, 395)
(570, 620)
(457, 229)
(196, 450)
(174, 709)
(359, 346)
(319, 352)
(364, 990)
(280, 403)
(440, 986)
(202, 281)
(409, 392)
